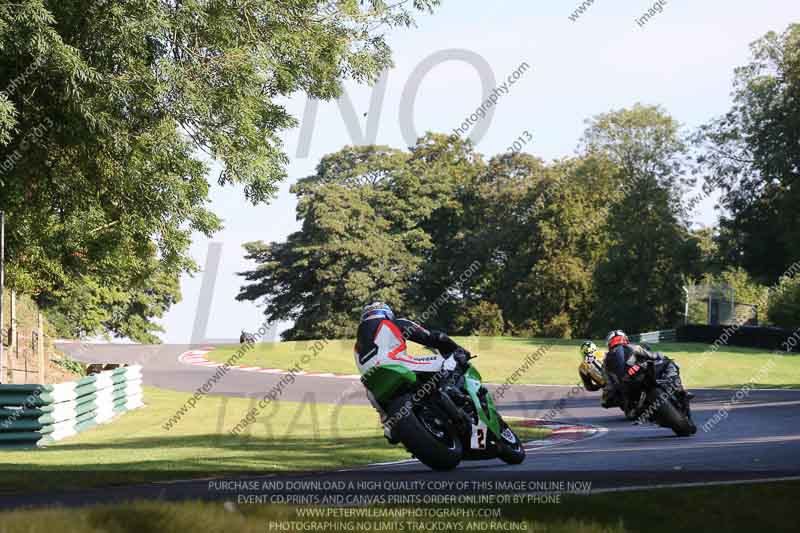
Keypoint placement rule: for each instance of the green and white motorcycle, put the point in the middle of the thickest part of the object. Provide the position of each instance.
(441, 421)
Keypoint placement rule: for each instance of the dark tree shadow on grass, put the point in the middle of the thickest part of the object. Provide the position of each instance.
(258, 456)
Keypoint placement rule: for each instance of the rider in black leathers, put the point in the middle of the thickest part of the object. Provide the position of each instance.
(622, 355)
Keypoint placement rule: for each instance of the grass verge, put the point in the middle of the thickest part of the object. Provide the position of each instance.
(501, 357)
(712, 509)
(136, 447)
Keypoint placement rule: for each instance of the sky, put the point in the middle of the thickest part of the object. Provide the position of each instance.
(682, 59)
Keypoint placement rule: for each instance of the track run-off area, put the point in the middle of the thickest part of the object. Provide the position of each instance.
(753, 436)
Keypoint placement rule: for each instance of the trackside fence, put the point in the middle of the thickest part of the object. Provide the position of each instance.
(760, 337)
(38, 415)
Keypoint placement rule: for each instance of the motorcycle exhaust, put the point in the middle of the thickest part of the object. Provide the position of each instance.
(461, 419)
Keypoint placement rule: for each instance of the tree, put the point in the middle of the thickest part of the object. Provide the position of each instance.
(639, 283)
(441, 170)
(752, 154)
(565, 237)
(707, 244)
(345, 255)
(356, 245)
(111, 111)
(646, 143)
(466, 246)
(494, 231)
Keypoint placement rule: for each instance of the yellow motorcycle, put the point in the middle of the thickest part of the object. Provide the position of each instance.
(594, 377)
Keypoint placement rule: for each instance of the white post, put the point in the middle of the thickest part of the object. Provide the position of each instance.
(40, 345)
(686, 307)
(13, 323)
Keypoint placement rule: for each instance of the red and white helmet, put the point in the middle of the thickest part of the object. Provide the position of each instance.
(615, 338)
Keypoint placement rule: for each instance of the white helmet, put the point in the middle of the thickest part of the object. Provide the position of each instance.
(377, 310)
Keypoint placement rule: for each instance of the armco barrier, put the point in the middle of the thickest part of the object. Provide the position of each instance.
(654, 337)
(37, 415)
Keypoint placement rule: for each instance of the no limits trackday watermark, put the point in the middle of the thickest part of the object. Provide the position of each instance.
(375, 503)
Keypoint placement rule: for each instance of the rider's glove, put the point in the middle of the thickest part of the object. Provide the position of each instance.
(461, 356)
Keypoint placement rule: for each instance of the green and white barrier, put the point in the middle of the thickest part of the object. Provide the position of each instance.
(37, 415)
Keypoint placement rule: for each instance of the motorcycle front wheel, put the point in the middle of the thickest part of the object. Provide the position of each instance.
(425, 432)
(512, 453)
(669, 416)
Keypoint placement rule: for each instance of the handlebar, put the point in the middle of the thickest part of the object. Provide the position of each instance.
(467, 355)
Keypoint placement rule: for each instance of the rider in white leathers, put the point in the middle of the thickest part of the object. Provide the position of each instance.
(381, 339)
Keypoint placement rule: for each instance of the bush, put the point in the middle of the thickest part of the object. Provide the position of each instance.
(784, 303)
(529, 328)
(483, 318)
(558, 327)
(70, 365)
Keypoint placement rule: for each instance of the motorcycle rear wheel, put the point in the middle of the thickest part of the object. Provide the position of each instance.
(437, 448)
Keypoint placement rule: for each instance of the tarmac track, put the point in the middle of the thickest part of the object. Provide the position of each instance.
(759, 439)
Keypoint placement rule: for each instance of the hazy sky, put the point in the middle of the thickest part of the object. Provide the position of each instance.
(682, 59)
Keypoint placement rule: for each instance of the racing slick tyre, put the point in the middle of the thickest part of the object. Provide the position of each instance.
(669, 416)
(425, 433)
(509, 447)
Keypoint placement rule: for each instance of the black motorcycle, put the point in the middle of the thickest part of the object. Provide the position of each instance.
(656, 395)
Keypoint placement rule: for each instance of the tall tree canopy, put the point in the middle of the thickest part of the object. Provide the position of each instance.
(405, 227)
(108, 116)
(752, 154)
